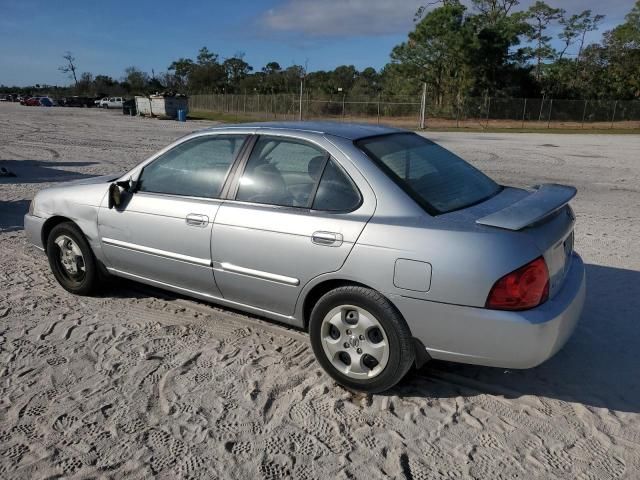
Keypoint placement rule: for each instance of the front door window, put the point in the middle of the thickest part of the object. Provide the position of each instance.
(196, 168)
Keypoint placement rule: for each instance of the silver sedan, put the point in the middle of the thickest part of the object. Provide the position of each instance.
(387, 248)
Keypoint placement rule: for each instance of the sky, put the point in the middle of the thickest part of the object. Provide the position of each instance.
(107, 37)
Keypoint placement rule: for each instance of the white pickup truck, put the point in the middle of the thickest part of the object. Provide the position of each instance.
(111, 102)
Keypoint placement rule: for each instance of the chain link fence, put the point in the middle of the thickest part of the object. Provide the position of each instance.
(406, 111)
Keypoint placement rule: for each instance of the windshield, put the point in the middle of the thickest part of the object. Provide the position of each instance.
(436, 178)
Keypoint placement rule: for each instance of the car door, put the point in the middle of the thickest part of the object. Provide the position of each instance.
(294, 215)
(162, 231)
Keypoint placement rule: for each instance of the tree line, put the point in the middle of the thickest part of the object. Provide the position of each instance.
(491, 49)
(494, 50)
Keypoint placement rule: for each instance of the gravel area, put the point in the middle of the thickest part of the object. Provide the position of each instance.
(140, 383)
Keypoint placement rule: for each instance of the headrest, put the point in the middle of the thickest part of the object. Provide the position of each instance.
(315, 167)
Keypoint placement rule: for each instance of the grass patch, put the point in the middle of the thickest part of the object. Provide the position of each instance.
(222, 117)
(615, 131)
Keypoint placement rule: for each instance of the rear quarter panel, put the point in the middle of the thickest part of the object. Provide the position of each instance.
(464, 265)
(465, 258)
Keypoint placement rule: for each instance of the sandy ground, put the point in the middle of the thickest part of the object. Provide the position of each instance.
(136, 383)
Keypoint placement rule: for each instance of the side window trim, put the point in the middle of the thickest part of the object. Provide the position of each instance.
(314, 190)
(230, 188)
(229, 174)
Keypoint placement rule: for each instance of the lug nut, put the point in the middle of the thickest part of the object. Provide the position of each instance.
(348, 332)
(361, 337)
(346, 344)
(359, 350)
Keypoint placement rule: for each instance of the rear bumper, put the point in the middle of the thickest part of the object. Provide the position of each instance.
(498, 338)
(33, 229)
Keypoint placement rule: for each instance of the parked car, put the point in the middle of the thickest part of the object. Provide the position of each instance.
(111, 102)
(39, 101)
(32, 102)
(77, 101)
(387, 248)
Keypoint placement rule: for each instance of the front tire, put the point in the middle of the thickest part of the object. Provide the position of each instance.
(71, 259)
(360, 339)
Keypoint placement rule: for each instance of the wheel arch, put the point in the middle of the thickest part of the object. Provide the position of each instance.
(50, 223)
(318, 290)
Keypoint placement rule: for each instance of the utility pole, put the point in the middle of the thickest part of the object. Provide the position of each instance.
(302, 75)
(301, 89)
(423, 106)
(615, 106)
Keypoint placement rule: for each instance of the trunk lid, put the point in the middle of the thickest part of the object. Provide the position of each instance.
(543, 201)
(540, 215)
(545, 215)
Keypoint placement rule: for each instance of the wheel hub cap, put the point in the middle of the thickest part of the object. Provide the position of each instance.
(71, 257)
(355, 342)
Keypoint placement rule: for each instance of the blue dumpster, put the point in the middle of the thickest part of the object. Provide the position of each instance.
(182, 115)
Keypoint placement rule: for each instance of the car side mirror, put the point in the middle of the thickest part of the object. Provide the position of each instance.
(127, 185)
(115, 199)
(116, 189)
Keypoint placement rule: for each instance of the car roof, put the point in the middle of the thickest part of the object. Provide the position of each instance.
(351, 131)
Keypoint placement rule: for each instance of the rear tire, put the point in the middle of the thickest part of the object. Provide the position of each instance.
(71, 259)
(360, 339)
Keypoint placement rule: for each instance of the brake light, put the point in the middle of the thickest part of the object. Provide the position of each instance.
(524, 288)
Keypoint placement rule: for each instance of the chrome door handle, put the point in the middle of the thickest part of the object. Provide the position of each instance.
(197, 220)
(329, 239)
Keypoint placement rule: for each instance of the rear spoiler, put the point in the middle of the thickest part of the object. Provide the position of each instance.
(543, 201)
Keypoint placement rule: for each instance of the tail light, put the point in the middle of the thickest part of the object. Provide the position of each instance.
(524, 288)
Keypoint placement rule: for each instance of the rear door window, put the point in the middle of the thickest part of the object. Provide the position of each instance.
(287, 172)
(282, 172)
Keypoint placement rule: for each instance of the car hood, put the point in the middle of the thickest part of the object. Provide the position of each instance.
(65, 198)
(90, 181)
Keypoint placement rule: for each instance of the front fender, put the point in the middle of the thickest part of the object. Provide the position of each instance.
(79, 203)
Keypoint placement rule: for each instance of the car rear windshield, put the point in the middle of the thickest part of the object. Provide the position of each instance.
(437, 179)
